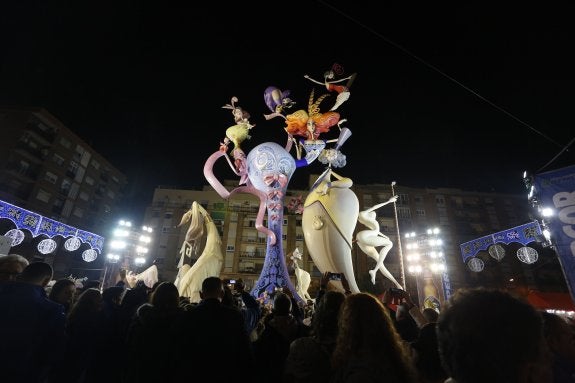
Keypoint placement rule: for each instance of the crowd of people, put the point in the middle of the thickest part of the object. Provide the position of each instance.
(143, 334)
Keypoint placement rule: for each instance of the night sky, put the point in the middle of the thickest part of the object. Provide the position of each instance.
(457, 97)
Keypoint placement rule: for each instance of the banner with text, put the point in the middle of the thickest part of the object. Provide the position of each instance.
(557, 189)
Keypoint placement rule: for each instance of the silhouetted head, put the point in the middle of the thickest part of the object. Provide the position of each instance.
(212, 287)
(490, 336)
(113, 295)
(282, 304)
(63, 291)
(11, 266)
(37, 273)
(166, 296)
(426, 355)
(325, 317)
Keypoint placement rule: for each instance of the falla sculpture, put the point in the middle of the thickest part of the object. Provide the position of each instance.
(264, 172)
(331, 209)
(209, 263)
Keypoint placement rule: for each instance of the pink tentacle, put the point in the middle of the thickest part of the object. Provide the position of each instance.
(211, 178)
(261, 212)
(260, 219)
(224, 193)
(231, 164)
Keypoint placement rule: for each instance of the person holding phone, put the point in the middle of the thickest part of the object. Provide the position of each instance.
(405, 314)
(326, 278)
(335, 277)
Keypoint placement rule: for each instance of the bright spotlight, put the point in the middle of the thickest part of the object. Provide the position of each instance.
(116, 244)
(547, 212)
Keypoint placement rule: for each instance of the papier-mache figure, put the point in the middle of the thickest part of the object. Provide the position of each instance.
(209, 263)
(302, 276)
(369, 240)
(148, 276)
(334, 85)
(331, 208)
(237, 134)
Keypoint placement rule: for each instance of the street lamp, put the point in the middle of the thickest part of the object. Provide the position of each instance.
(427, 263)
(401, 266)
(144, 240)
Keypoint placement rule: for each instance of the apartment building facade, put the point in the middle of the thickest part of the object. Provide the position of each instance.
(46, 168)
(243, 246)
(460, 216)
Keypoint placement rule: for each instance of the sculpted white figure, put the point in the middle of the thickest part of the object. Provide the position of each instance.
(148, 276)
(209, 263)
(303, 277)
(369, 240)
(328, 221)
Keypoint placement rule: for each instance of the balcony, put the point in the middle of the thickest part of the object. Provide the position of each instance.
(249, 270)
(253, 254)
(28, 174)
(47, 134)
(36, 155)
(244, 209)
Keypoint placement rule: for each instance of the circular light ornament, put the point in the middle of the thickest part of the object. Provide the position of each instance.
(46, 246)
(16, 235)
(527, 255)
(475, 264)
(89, 255)
(497, 252)
(72, 244)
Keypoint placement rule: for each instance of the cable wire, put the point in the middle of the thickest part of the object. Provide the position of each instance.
(445, 75)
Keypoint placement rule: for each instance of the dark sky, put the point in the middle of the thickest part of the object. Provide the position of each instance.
(456, 97)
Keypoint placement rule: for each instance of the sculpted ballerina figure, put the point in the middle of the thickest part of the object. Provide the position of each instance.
(368, 240)
(332, 84)
(309, 125)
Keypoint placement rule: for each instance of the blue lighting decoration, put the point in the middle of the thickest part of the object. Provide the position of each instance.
(40, 225)
(523, 234)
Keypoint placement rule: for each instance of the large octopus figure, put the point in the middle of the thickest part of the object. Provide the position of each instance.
(265, 173)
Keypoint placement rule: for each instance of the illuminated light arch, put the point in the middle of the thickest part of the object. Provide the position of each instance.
(17, 236)
(72, 243)
(38, 225)
(89, 255)
(47, 246)
(524, 234)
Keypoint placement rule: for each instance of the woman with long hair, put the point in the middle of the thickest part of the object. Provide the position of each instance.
(368, 348)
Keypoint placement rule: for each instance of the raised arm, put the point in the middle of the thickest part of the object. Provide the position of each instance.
(375, 207)
(340, 80)
(312, 80)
